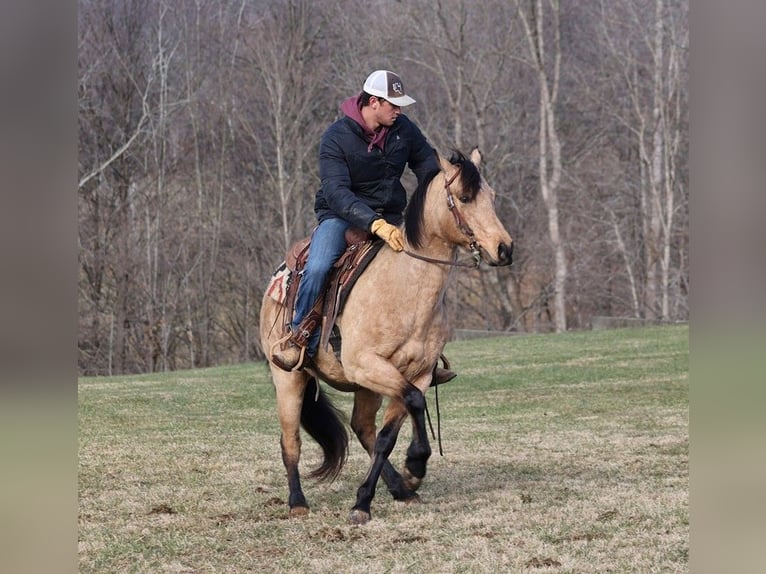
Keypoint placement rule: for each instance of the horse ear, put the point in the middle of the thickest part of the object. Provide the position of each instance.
(475, 156)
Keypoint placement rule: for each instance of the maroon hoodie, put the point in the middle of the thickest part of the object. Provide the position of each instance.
(350, 107)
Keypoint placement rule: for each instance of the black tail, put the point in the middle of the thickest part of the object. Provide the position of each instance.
(324, 423)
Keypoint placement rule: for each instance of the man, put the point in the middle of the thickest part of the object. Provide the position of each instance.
(362, 157)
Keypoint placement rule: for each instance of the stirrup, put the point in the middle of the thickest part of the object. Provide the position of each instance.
(276, 360)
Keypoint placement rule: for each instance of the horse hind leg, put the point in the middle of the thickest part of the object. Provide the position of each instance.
(289, 390)
(300, 403)
(290, 458)
(366, 406)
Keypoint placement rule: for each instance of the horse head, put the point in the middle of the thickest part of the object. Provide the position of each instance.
(470, 200)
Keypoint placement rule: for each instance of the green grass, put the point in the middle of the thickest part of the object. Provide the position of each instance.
(563, 453)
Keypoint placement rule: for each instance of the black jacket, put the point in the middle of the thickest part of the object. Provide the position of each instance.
(362, 183)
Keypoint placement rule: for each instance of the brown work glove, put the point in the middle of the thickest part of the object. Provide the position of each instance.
(389, 233)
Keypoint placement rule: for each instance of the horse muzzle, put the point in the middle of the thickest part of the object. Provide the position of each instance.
(504, 256)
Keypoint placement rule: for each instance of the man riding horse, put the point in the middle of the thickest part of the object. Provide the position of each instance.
(362, 157)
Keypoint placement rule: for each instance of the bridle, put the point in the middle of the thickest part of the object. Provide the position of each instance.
(462, 226)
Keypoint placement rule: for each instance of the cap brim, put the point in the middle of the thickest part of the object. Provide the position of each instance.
(401, 101)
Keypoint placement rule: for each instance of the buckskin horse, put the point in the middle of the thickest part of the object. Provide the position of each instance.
(393, 330)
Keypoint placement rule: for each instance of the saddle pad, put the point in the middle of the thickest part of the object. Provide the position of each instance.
(280, 280)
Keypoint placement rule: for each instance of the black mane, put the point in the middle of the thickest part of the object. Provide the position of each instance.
(470, 183)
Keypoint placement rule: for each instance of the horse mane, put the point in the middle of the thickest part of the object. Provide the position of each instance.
(470, 183)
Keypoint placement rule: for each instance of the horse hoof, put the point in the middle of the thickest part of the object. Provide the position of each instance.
(298, 511)
(359, 517)
(415, 499)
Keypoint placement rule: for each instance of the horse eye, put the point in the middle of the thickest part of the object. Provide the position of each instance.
(464, 199)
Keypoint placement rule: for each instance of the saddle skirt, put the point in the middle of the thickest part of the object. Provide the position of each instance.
(283, 286)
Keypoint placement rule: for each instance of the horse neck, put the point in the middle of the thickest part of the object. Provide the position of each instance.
(435, 245)
(431, 276)
(439, 240)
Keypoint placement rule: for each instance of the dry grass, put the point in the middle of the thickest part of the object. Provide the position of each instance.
(563, 453)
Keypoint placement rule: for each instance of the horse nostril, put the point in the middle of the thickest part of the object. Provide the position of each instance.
(505, 252)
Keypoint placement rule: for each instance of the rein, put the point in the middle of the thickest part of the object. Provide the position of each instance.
(438, 421)
(452, 263)
(462, 225)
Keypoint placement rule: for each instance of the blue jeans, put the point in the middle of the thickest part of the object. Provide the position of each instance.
(327, 244)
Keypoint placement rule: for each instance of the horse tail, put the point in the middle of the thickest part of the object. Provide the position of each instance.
(323, 421)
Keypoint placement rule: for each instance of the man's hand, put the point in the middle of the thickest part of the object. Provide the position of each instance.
(389, 233)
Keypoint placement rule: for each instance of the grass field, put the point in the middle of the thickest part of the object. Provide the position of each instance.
(562, 453)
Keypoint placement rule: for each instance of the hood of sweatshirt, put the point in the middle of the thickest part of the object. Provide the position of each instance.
(350, 108)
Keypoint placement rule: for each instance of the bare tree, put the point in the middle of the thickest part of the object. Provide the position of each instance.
(533, 19)
(116, 81)
(283, 82)
(645, 44)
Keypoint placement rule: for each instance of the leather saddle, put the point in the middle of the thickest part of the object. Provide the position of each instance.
(361, 248)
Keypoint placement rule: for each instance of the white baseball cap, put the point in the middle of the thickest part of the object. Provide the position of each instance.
(389, 86)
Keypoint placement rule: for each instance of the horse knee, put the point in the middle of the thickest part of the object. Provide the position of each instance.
(414, 400)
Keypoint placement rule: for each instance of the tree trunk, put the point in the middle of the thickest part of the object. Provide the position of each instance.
(549, 145)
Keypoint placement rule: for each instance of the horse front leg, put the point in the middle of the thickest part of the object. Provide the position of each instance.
(384, 444)
(366, 406)
(419, 450)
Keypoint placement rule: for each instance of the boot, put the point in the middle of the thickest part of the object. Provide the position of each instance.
(442, 376)
(291, 358)
(289, 353)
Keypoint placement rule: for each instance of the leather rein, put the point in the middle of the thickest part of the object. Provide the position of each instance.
(462, 225)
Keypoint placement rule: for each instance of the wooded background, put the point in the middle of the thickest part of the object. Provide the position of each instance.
(199, 125)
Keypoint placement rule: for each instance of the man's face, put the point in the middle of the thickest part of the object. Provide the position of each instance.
(386, 112)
